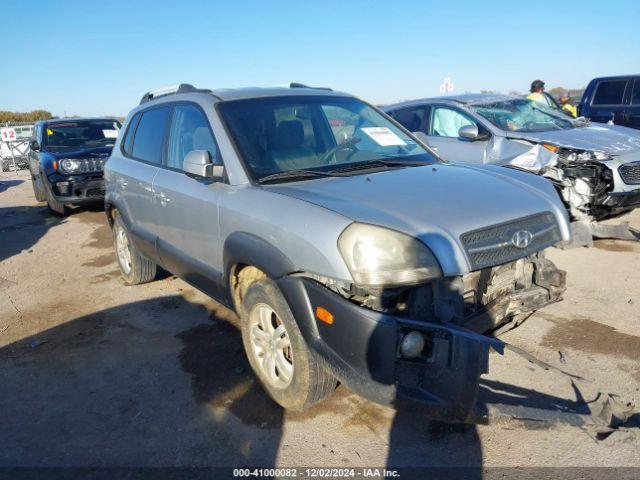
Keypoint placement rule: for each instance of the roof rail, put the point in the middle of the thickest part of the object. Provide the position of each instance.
(161, 92)
(302, 85)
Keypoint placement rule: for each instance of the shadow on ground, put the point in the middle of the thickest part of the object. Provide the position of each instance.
(21, 227)
(162, 382)
(7, 184)
(165, 382)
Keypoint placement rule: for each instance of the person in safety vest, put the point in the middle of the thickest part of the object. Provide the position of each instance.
(565, 98)
(537, 92)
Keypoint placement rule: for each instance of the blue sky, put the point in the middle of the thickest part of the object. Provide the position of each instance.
(98, 58)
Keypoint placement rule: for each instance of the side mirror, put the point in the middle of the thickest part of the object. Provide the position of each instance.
(198, 163)
(470, 132)
(34, 145)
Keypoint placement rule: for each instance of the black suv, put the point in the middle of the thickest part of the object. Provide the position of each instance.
(66, 160)
(614, 99)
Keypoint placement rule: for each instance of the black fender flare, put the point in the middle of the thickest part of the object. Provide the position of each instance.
(248, 249)
(110, 205)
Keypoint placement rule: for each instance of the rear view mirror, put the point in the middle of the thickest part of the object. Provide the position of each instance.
(34, 145)
(198, 163)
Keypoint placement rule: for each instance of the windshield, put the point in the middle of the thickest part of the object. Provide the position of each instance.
(316, 134)
(81, 134)
(522, 115)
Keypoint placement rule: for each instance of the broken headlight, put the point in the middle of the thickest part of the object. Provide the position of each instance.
(571, 155)
(377, 256)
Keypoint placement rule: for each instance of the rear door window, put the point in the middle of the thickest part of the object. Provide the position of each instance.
(149, 137)
(127, 142)
(635, 96)
(189, 131)
(610, 92)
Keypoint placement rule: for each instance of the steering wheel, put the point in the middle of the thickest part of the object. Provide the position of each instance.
(346, 145)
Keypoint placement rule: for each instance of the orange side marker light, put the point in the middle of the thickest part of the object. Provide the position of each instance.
(324, 315)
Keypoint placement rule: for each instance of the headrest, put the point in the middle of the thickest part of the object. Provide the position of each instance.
(289, 134)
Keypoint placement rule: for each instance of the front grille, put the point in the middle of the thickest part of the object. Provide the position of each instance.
(497, 244)
(95, 192)
(630, 173)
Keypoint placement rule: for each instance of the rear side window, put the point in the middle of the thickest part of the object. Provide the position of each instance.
(127, 142)
(189, 131)
(610, 92)
(149, 137)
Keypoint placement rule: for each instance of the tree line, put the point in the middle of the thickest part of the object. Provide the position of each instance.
(33, 116)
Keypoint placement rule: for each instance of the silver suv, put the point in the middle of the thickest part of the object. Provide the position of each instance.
(349, 250)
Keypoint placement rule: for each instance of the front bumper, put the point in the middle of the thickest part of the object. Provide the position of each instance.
(619, 202)
(77, 189)
(362, 348)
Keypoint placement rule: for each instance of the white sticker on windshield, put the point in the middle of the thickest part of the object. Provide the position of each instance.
(383, 136)
(110, 133)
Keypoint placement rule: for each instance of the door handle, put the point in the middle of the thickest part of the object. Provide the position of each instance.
(121, 183)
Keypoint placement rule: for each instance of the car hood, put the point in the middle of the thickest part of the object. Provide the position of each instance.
(435, 203)
(611, 139)
(94, 152)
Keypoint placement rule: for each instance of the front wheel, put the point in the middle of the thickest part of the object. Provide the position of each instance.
(38, 188)
(292, 374)
(134, 267)
(54, 205)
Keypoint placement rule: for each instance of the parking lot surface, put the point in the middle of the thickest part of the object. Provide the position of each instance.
(96, 373)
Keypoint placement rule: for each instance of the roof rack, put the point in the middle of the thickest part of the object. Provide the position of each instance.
(161, 92)
(302, 85)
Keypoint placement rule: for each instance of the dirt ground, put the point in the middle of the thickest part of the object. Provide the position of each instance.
(96, 373)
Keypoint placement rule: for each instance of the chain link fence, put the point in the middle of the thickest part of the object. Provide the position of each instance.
(14, 155)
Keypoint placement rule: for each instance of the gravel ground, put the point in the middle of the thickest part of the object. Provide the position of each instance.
(96, 373)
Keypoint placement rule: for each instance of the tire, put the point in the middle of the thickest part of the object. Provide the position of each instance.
(38, 188)
(134, 268)
(54, 205)
(309, 381)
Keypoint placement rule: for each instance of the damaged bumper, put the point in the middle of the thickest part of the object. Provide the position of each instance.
(77, 189)
(362, 346)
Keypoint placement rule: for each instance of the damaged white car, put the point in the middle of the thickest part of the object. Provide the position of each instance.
(595, 167)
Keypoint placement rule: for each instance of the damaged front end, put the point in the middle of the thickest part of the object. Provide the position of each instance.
(586, 183)
(422, 346)
(480, 301)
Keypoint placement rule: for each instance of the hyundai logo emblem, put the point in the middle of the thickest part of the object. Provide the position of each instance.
(521, 239)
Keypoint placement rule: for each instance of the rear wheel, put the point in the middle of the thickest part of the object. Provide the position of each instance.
(134, 267)
(292, 374)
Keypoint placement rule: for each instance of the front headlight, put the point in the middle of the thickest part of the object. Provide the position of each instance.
(81, 165)
(377, 256)
(70, 165)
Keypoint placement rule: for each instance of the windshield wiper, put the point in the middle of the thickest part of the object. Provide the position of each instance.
(387, 162)
(296, 174)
